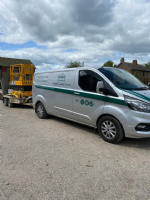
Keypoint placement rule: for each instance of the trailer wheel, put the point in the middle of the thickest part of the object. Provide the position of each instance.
(10, 104)
(41, 111)
(5, 101)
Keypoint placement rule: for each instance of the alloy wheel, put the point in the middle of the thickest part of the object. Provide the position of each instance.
(108, 129)
(40, 110)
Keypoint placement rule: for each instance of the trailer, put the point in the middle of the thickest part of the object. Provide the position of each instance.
(21, 78)
(9, 100)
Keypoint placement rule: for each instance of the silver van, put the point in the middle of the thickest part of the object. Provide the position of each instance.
(110, 99)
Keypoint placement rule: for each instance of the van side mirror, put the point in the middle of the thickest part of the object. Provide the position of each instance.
(100, 88)
(104, 88)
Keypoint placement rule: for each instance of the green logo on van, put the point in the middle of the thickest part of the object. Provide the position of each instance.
(61, 77)
(91, 103)
(82, 101)
(86, 102)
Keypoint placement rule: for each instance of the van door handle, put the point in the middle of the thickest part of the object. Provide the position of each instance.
(77, 93)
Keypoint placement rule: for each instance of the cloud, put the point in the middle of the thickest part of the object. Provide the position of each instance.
(98, 29)
(46, 21)
(95, 13)
(133, 25)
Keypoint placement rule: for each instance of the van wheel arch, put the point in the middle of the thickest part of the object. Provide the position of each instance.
(104, 116)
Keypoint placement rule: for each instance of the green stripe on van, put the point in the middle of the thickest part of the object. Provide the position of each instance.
(137, 94)
(86, 95)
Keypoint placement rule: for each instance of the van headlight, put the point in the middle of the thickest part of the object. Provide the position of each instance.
(137, 105)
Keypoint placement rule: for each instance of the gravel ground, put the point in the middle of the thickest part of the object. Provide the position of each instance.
(58, 159)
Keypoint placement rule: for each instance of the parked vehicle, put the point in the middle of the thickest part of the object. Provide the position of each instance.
(21, 78)
(110, 99)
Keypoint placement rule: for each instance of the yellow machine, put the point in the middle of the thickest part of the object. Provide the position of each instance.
(21, 78)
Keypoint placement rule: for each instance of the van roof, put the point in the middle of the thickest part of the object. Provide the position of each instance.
(67, 69)
(74, 69)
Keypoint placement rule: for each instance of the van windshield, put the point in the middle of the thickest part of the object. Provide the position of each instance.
(122, 79)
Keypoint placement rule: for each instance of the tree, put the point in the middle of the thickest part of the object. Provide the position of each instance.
(147, 65)
(74, 64)
(109, 63)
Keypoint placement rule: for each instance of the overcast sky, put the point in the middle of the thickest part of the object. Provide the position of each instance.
(51, 33)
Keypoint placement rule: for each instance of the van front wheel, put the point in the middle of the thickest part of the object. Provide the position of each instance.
(41, 111)
(110, 129)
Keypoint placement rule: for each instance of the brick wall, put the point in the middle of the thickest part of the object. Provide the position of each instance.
(122, 66)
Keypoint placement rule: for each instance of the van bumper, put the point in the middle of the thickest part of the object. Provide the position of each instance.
(138, 134)
(131, 119)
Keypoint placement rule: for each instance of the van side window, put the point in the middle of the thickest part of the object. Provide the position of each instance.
(88, 80)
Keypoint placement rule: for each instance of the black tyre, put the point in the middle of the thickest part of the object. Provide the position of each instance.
(5, 101)
(41, 111)
(10, 104)
(110, 129)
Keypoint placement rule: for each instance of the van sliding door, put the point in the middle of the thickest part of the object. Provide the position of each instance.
(63, 84)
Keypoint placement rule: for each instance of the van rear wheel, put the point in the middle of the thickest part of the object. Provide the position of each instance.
(41, 111)
(110, 129)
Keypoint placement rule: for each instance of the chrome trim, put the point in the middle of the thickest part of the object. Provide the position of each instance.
(60, 116)
(77, 93)
(74, 113)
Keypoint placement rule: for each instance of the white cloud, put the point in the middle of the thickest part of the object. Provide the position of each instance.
(99, 29)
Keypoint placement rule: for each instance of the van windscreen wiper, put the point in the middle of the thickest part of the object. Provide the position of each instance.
(141, 88)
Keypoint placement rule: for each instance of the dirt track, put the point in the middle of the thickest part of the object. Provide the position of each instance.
(58, 159)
